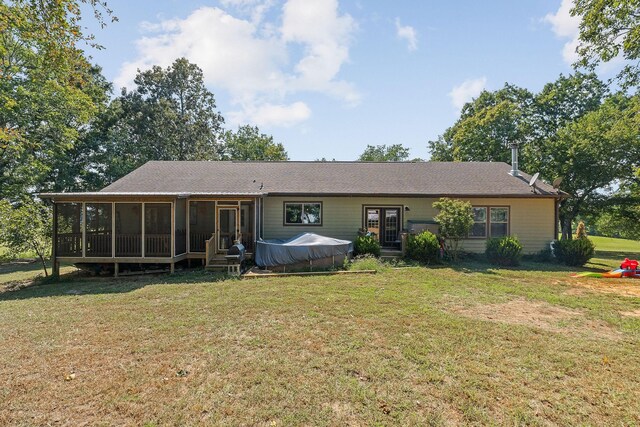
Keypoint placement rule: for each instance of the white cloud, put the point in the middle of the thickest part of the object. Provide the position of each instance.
(258, 63)
(407, 33)
(466, 91)
(565, 26)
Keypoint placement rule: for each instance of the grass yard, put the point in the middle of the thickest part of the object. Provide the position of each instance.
(416, 346)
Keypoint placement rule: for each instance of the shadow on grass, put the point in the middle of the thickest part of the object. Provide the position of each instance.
(79, 283)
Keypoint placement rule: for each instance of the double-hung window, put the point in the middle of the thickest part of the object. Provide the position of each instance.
(302, 213)
(490, 221)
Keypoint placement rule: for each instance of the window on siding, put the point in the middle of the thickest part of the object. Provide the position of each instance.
(499, 218)
(479, 228)
(303, 213)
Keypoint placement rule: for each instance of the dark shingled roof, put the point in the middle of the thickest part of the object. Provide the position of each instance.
(330, 178)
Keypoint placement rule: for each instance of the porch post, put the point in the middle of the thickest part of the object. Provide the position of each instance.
(55, 265)
(144, 225)
(83, 218)
(113, 229)
(188, 221)
(173, 234)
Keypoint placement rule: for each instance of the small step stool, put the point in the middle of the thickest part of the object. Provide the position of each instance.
(233, 269)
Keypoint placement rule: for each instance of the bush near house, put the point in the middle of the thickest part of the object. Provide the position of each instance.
(504, 251)
(574, 252)
(423, 247)
(364, 245)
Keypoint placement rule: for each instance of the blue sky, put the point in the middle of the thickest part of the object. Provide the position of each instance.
(328, 77)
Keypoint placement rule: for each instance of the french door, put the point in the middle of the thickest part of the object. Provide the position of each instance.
(385, 223)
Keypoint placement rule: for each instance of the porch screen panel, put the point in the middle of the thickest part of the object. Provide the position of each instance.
(99, 225)
(181, 226)
(157, 229)
(202, 224)
(246, 225)
(69, 229)
(128, 229)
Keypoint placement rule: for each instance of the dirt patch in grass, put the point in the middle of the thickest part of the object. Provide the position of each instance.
(633, 313)
(541, 315)
(624, 287)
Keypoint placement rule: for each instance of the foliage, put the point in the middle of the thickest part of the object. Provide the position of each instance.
(455, 220)
(366, 262)
(610, 29)
(423, 247)
(384, 153)
(364, 245)
(48, 90)
(505, 250)
(247, 143)
(574, 252)
(581, 230)
(26, 227)
(486, 127)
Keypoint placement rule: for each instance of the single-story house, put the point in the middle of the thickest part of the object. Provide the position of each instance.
(169, 211)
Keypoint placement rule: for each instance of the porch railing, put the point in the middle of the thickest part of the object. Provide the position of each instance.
(69, 244)
(210, 249)
(198, 241)
(158, 245)
(129, 245)
(99, 243)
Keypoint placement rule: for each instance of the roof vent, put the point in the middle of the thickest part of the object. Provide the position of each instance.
(514, 159)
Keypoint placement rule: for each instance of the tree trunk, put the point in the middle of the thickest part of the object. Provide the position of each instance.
(44, 264)
(566, 222)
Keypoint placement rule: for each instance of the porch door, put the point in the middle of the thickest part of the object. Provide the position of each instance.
(384, 223)
(227, 227)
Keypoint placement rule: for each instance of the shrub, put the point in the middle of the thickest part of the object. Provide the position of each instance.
(504, 250)
(423, 247)
(574, 252)
(455, 220)
(364, 245)
(366, 262)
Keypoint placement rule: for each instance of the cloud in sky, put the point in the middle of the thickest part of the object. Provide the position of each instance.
(466, 91)
(407, 33)
(259, 63)
(565, 26)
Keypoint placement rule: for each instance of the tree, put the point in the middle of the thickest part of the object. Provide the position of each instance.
(170, 115)
(247, 143)
(26, 227)
(593, 155)
(486, 127)
(384, 153)
(455, 220)
(610, 29)
(48, 89)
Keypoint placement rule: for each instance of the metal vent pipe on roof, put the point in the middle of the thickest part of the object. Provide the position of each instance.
(514, 159)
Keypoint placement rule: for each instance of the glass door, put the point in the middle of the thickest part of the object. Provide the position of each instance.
(227, 227)
(390, 236)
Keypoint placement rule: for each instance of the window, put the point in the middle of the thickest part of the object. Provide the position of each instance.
(499, 222)
(490, 222)
(479, 228)
(307, 213)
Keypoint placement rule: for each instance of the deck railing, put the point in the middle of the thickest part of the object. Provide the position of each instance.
(99, 243)
(69, 244)
(158, 245)
(128, 245)
(210, 249)
(198, 241)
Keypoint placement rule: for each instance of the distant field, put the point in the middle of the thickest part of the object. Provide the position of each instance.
(611, 244)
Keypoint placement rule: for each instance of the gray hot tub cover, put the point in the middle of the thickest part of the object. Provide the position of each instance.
(303, 247)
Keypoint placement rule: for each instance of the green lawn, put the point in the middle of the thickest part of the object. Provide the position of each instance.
(611, 244)
(416, 346)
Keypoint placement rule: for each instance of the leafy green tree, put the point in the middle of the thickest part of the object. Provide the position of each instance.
(170, 115)
(247, 143)
(48, 89)
(610, 29)
(384, 153)
(455, 220)
(486, 127)
(593, 154)
(26, 227)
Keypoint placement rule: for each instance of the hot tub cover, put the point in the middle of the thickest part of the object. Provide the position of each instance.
(303, 247)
